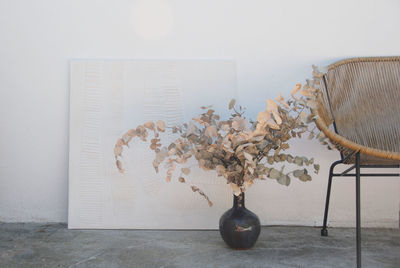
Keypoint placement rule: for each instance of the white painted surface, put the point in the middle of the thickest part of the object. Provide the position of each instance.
(274, 44)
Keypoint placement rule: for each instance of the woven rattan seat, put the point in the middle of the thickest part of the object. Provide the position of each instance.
(362, 97)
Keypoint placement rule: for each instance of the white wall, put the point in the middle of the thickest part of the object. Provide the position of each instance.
(273, 42)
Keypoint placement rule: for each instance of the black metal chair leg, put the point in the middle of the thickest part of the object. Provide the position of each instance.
(324, 231)
(358, 211)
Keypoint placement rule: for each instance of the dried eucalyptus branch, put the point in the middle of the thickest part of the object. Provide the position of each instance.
(239, 150)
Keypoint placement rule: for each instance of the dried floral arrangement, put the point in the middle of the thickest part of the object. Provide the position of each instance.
(239, 149)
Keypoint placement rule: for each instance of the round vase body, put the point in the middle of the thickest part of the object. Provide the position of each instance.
(239, 227)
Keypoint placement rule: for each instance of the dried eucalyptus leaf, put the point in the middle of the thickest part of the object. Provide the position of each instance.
(131, 133)
(248, 156)
(271, 105)
(305, 177)
(298, 172)
(281, 100)
(270, 160)
(150, 125)
(185, 171)
(161, 125)
(119, 166)
(232, 104)
(117, 150)
(277, 117)
(155, 165)
(127, 138)
(275, 174)
(295, 90)
(303, 117)
(316, 168)
(284, 180)
(211, 132)
(210, 112)
(120, 142)
(298, 161)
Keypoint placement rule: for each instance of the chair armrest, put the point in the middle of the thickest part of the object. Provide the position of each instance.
(342, 141)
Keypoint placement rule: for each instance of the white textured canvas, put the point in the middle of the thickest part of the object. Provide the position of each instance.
(107, 98)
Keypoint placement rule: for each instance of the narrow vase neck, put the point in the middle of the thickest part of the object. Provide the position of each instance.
(238, 201)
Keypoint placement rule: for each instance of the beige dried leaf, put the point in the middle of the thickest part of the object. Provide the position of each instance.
(277, 117)
(285, 146)
(264, 116)
(272, 124)
(150, 125)
(225, 127)
(172, 151)
(119, 166)
(210, 112)
(220, 170)
(185, 171)
(126, 138)
(155, 165)
(153, 146)
(211, 132)
(161, 125)
(271, 105)
(239, 123)
(117, 150)
(170, 172)
(236, 189)
(306, 93)
(281, 100)
(295, 90)
(120, 142)
(131, 133)
(248, 156)
(303, 117)
(250, 169)
(232, 104)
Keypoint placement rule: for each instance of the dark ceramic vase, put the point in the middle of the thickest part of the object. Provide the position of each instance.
(239, 227)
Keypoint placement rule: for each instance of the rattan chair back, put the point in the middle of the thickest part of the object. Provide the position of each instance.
(362, 97)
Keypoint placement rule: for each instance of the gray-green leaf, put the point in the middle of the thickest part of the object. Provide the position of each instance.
(274, 174)
(284, 179)
(316, 168)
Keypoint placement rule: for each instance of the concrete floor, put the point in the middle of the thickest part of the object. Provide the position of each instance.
(53, 245)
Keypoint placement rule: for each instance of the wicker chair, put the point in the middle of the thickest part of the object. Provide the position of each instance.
(361, 99)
